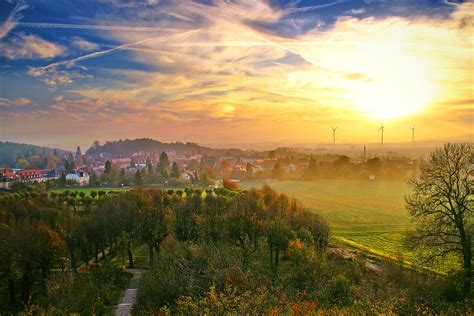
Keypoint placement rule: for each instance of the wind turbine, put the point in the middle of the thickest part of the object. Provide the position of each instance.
(381, 129)
(334, 135)
(413, 134)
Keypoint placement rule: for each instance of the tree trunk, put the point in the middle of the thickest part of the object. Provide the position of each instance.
(96, 252)
(85, 256)
(130, 255)
(271, 257)
(25, 293)
(150, 251)
(73, 260)
(467, 256)
(102, 249)
(43, 281)
(11, 290)
(277, 254)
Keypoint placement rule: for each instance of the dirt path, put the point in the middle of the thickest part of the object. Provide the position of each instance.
(129, 296)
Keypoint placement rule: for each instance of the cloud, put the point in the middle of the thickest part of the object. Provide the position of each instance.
(83, 44)
(222, 72)
(12, 19)
(24, 46)
(356, 11)
(14, 103)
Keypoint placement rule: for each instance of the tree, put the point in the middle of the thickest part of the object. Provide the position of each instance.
(374, 164)
(278, 239)
(243, 227)
(138, 178)
(153, 219)
(149, 165)
(108, 167)
(312, 172)
(163, 165)
(175, 171)
(441, 206)
(248, 171)
(278, 171)
(193, 165)
(230, 185)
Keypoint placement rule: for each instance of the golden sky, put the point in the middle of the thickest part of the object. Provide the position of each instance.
(239, 72)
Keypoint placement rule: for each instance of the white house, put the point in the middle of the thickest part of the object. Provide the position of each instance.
(189, 176)
(80, 177)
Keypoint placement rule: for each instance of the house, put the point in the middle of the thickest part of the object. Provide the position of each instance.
(189, 176)
(50, 174)
(6, 175)
(80, 177)
(30, 175)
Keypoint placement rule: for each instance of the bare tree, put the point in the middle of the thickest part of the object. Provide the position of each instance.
(441, 206)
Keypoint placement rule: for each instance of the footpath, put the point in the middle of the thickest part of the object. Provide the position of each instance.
(129, 296)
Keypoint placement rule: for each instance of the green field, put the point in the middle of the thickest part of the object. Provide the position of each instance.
(368, 214)
(87, 190)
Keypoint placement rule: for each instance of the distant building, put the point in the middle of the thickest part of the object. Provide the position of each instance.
(189, 176)
(50, 174)
(6, 177)
(80, 177)
(30, 176)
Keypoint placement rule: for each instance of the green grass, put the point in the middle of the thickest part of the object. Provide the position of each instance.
(371, 214)
(87, 190)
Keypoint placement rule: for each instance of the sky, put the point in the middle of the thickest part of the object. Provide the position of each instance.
(242, 71)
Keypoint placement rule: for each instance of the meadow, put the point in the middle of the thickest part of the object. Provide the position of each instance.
(369, 215)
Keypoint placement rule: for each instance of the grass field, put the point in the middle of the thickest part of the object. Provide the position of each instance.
(87, 190)
(371, 214)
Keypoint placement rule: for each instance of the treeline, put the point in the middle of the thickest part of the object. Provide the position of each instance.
(127, 147)
(28, 156)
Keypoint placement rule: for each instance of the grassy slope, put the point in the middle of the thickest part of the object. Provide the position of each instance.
(369, 213)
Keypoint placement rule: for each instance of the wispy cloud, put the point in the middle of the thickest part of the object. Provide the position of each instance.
(14, 103)
(12, 20)
(22, 46)
(83, 44)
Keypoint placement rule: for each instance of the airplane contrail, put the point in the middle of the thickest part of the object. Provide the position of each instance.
(97, 27)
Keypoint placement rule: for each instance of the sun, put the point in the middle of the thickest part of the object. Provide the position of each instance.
(399, 87)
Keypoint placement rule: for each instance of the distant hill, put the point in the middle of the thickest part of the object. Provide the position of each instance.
(11, 152)
(127, 147)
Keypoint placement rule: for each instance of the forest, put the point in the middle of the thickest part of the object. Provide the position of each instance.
(208, 252)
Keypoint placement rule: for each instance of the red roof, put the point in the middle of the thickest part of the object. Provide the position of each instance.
(28, 172)
(8, 173)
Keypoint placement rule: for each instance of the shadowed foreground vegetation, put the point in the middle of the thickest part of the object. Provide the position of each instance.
(208, 252)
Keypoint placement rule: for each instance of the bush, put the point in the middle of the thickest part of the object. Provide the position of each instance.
(340, 290)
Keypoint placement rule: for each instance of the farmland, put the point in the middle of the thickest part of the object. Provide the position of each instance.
(367, 214)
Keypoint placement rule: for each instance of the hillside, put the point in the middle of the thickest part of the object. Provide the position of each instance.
(11, 152)
(127, 147)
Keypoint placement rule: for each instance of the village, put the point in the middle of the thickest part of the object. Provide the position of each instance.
(174, 170)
